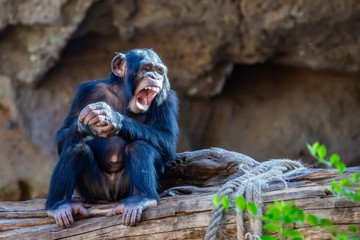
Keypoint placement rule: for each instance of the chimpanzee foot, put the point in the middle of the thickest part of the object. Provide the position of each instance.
(132, 208)
(63, 215)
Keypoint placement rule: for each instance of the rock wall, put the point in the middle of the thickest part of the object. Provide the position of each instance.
(306, 87)
(268, 111)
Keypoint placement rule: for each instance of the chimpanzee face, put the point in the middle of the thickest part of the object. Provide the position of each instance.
(148, 82)
(145, 77)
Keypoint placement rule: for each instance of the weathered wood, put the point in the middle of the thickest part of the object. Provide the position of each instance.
(184, 216)
(179, 215)
(206, 168)
(31, 205)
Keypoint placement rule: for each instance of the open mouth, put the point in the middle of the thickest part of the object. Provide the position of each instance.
(145, 96)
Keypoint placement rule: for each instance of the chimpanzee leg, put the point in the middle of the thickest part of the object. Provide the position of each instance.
(74, 161)
(92, 184)
(140, 161)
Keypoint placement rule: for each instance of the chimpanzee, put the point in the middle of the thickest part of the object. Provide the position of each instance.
(116, 140)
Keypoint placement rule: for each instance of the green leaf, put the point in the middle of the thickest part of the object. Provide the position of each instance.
(357, 197)
(313, 220)
(291, 211)
(288, 219)
(316, 146)
(216, 201)
(330, 189)
(356, 177)
(322, 151)
(345, 182)
(343, 236)
(267, 237)
(324, 222)
(289, 204)
(273, 212)
(269, 218)
(240, 203)
(311, 150)
(353, 229)
(293, 233)
(341, 167)
(336, 187)
(349, 193)
(251, 207)
(279, 204)
(300, 215)
(225, 202)
(334, 158)
(271, 227)
(296, 238)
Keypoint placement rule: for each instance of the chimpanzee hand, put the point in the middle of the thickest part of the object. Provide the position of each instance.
(63, 215)
(132, 208)
(102, 120)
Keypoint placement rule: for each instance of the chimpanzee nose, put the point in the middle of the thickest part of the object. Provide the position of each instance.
(152, 75)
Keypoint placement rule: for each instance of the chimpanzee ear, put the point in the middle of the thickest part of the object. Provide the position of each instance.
(118, 65)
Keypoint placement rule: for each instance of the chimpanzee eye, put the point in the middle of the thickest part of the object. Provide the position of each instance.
(147, 68)
(160, 70)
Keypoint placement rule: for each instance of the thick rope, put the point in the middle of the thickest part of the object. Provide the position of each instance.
(250, 185)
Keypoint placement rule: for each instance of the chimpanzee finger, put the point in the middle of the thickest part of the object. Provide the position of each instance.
(82, 211)
(91, 107)
(84, 113)
(59, 220)
(93, 114)
(90, 116)
(118, 210)
(127, 216)
(102, 123)
(94, 120)
(97, 119)
(105, 131)
(69, 216)
(65, 219)
(56, 220)
(111, 213)
(107, 128)
(138, 215)
(133, 216)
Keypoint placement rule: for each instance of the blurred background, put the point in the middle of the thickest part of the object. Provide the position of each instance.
(257, 77)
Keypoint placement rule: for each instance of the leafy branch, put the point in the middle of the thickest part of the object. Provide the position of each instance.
(348, 187)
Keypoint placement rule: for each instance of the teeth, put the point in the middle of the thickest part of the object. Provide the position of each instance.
(155, 89)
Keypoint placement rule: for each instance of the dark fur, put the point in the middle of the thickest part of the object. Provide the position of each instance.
(145, 143)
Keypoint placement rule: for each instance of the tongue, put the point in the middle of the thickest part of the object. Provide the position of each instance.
(142, 97)
(146, 96)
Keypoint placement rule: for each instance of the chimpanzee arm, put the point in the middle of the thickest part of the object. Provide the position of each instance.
(73, 130)
(162, 134)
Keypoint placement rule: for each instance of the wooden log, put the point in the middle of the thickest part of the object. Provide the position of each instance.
(184, 216)
(183, 221)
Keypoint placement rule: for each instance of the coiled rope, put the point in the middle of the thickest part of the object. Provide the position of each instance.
(250, 185)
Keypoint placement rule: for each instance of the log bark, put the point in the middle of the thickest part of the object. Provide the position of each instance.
(186, 204)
